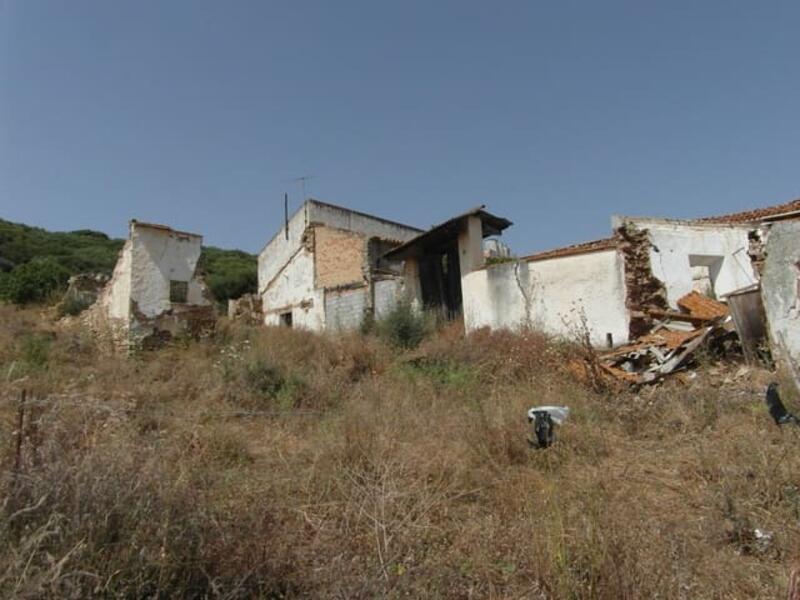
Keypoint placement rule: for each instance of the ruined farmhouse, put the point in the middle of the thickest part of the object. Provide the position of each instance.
(331, 268)
(156, 290)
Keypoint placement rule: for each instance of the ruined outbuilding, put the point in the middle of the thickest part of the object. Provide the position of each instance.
(156, 291)
(436, 262)
(780, 291)
(325, 269)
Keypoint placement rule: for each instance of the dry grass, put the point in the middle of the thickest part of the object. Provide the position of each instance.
(276, 463)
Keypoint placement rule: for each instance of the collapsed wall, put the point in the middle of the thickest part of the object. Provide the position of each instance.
(643, 291)
(156, 292)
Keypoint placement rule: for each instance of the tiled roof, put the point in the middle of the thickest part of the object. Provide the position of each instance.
(758, 214)
(583, 248)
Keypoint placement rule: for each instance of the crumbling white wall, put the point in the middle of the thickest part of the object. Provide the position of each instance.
(286, 275)
(160, 255)
(116, 297)
(780, 290)
(551, 296)
(135, 304)
(293, 291)
(674, 243)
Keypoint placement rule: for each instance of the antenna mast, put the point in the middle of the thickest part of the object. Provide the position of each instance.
(302, 180)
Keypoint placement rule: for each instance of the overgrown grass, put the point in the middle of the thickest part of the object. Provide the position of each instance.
(206, 470)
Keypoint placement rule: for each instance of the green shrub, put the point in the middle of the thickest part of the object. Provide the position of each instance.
(404, 326)
(272, 387)
(443, 372)
(230, 273)
(72, 306)
(34, 281)
(265, 379)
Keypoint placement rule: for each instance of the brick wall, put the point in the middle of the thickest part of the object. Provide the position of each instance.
(339, 257)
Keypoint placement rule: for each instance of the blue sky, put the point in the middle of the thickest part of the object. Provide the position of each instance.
(199, 114)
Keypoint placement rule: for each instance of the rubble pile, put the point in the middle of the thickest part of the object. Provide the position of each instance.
(671, 342)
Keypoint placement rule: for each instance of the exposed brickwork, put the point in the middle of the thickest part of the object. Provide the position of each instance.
(643, 290)
(339, 257)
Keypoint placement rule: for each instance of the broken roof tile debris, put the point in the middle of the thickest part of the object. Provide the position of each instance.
(703, 307)
(668, 346)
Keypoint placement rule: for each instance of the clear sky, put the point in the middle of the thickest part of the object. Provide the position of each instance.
(199, 113)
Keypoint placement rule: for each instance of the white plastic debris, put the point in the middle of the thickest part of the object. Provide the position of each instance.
(558, 414)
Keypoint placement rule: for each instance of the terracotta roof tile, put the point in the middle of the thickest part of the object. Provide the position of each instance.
(757, 214)
(583, 248)
(698, 305)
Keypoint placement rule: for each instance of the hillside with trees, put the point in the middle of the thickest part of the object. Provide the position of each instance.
(35, 264)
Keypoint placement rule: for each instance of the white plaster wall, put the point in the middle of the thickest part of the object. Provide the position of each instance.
(673, 243)
(117, 295)
(280, 250)
(293, 286)
(551, 295)
(159, 256)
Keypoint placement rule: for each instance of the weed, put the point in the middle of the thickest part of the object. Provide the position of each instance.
(35, 350)
(357, 470)
(404, 326)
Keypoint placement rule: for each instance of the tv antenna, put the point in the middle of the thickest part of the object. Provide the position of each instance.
(303, 181)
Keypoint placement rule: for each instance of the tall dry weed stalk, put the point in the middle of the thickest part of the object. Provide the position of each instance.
(202, 471)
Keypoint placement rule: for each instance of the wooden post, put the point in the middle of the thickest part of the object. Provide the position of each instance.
(18, 440)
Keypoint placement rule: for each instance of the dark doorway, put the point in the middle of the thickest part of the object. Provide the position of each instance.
(286, 319)
(440, 279)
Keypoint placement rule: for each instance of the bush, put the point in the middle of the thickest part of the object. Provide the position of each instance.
(229, 273)
(404, 326)
(34, 281)
(73, 306)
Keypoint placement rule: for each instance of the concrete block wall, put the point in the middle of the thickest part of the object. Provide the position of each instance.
(345, 309)
(388, 292)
